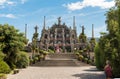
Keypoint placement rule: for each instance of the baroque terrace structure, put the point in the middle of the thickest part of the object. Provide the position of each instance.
(60, 36)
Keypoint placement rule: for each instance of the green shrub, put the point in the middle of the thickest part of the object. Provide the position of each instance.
(50, 51)
(80, 51)
(86, 60)
(77, 53)
(80, 57)
(99, 57)
(41, 56)
(3, 76)
(4, 68)
(23, 60)
(41, 51)
(36, 58)
(45, 52)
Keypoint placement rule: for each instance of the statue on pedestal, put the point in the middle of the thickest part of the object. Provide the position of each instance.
(59, 20)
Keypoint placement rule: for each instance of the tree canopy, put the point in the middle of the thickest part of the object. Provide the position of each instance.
(11, 41)
(109, 43)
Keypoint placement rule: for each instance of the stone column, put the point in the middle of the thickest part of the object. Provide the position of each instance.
(55, 41)
(63, 36)
(48, 39)
(71, 41)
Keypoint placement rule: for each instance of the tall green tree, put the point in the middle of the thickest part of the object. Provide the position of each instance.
(34, 45)
(82, 38)
(92, 44)
(110, 43)
(113, 26)
(11, 41)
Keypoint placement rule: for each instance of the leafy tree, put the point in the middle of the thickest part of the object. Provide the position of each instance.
(82, 38)
(11, 41)
(34, 45)
(92, 44)
(110, 43)
(113, 26)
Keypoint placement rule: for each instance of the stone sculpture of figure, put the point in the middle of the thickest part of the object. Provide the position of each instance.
(83, 28)
(59, 20)
(36, 28)
(57, 49)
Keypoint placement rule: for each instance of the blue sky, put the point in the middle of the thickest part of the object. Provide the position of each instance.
(31, 12)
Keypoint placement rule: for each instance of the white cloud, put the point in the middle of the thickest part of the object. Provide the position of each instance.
(8, 16)
(8, 3)
(2, 2)
(103, 4)
(23, 1)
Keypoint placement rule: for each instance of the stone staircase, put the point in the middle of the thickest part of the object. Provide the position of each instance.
(63, 59)
(62, 56)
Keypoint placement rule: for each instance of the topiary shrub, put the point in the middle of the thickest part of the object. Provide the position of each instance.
(50, 51)
(35, 59)
(86, 60)
(45, 52)
(80, 57)
(4, 68)
(99, 57)
(22, 60)
(41, 57)
(41, 51)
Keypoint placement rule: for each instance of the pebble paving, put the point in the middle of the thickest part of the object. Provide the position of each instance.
(34, 72)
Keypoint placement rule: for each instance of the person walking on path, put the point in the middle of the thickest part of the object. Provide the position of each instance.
(108, 70)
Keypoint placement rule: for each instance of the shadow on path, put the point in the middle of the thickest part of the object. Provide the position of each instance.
(92, 70)
(90, 76)
(91, 73)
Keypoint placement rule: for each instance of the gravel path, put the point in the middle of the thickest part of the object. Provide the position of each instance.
(86, 72)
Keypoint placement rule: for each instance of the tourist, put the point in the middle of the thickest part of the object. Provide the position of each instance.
(108, 70)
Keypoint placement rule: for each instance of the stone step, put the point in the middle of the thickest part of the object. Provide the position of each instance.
(62, 59)
(58, 63)
(61, 56)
